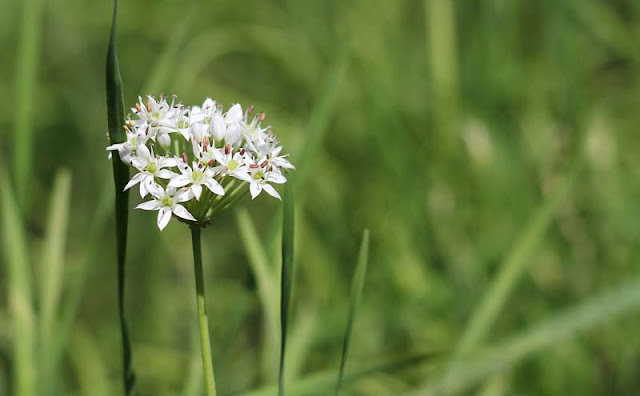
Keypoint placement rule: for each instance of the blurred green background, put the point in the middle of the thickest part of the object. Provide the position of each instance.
(491, 147)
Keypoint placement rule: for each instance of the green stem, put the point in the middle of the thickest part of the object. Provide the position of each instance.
(205, 343)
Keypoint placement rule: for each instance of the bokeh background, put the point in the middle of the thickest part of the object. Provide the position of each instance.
(491, 147)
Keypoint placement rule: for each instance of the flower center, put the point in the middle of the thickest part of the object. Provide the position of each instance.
(232, 165)
(258, 175)
(151, 167)
(183, 124)
(167, 201)
(197, 176)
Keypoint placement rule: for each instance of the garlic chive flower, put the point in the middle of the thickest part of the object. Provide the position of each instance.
(195, 161)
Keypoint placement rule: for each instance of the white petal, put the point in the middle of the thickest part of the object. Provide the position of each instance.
(234, 114)
(271, 191)
(143, 152)
(144, 187)
(214, 186)
(255, 189)
(276, 178)
(149, 205)
(242, 176)
(134, 180)
(180, 181)
(164, 215)
(197, 190)
(182, 212)
(165, 174)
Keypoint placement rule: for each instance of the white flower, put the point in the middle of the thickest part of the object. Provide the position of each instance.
(149, 168)
(125, 149)
(232, 164)
(196, 177)
(259, 180)
(167, 202)
(158, 115)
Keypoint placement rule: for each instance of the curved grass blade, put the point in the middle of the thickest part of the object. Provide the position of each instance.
(356, 294)
(20, 293)
(286, 277)
(320, 383)
(115, 116)
(601, 309)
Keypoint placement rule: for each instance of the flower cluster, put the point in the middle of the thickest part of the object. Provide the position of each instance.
(196, 161)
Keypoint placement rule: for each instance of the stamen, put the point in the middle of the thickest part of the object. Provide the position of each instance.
(264, 163)
(254, 166)
(149, 107)
(184, 158)
(262, 116)
(242, 151)
(250, 110)
(211, 162)
(205, 143)
(138, 107)
(227, 149)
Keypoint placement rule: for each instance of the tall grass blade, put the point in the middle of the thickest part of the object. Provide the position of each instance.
(564, 325)
(115, 116)
(356, 294)
(28, 55)
(286, 277)
(51, 270)
(20, 293)
(320, 383)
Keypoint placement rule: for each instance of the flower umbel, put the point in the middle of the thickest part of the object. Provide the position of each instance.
(197, 161)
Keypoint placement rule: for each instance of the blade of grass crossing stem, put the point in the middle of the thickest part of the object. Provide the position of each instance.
(51, 270)
(321, 115)
(320, 383)
(598, 310)
(513, 267)
(356, 294)
(115, 116)
(20, 293)
(286, 277)
(26, 77)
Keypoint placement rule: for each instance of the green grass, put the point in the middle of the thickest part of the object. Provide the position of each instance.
(451, 130)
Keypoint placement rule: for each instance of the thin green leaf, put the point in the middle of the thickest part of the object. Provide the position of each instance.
(356, 294)
(20, 293)
(286, 276)
(28, 55)
(564, 325)
(115, 117)
(51, 270)
(320, 383)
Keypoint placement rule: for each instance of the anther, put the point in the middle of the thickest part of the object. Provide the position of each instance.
(205, 143)
(250, 110)
(149, 107)
(262, 116)
(138, 107)
(211, 162)
(254, 166)
(264, 163)
(184, 158)
(242, 151)
(227, 149)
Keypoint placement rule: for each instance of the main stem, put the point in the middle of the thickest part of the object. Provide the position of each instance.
(205, 343)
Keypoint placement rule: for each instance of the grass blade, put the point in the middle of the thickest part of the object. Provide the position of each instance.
(26, 77)
(562, 326)
(356, 294)
(20, 293)
(51, 270)
(115, 116)
(320, 383)
(286, 277)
